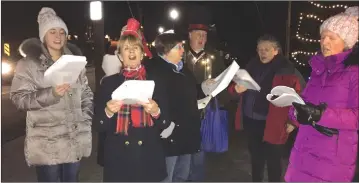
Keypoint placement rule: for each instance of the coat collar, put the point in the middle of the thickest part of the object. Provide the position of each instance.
(34, 48)
(332, 63)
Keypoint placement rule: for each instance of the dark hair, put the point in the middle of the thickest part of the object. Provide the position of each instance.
(165, 42)
(272, 39)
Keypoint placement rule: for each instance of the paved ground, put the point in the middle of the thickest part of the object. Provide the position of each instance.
(232, 166)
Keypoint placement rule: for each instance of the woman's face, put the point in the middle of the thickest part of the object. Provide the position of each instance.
(266, 51)
(131, 54)
(331, 43)
(175, 54)
(55, 38)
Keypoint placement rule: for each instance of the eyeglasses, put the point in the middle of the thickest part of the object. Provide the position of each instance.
(178, 46)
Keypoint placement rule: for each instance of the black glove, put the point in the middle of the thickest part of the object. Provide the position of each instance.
(309, 113)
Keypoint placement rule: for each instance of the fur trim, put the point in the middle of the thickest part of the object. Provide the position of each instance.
(353, 58)
(32, 47)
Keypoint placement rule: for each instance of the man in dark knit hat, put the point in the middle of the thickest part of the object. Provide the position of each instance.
(205, 65)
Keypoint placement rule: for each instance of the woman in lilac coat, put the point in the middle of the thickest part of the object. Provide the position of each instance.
(325, 149)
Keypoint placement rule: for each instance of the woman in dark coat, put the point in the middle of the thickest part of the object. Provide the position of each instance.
(181, 108)
(132, 149)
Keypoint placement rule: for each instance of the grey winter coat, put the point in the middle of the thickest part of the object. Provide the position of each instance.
(58, 129)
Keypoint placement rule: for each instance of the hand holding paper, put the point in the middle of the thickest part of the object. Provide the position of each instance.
(134, 91)
(150, 107)
(243, 78)
(283, 96)
(215, 86)
(113, 106)
(60, 90)
(202, 103)
(66, 69)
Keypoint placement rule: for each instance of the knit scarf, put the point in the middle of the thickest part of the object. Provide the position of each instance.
(135, 114)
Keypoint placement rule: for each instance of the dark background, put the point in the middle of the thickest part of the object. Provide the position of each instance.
(238, 24)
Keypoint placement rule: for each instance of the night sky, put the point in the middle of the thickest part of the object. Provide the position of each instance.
(238, 23)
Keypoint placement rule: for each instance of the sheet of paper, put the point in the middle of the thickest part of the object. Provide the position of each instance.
(286, 96)
(242, 77)
(134, 91)
(66, 69)
(221, 81)
(202, 103)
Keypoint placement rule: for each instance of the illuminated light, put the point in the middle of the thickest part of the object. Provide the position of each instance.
(208, 68)
(333, 6)
(212, 57)
(209, 76)
(308, 16)
(96, 10)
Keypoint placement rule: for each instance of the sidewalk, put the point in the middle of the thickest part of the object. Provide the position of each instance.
(14, 168)
(232, 166)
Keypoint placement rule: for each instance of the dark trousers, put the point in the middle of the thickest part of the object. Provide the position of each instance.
(67, 172)
(262, 152)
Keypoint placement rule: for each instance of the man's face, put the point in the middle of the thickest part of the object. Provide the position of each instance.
(198, 39)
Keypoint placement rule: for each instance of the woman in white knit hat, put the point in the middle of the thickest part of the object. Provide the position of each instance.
(331, 98)
(58, 122)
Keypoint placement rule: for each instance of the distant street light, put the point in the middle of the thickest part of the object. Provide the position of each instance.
(160, 30)
(174, 14)
(96, 10)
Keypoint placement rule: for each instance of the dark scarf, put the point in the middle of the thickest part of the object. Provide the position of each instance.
(134, 113)
(195, 55)
(263, 74)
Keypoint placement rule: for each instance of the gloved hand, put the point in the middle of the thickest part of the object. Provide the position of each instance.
(168, 131)
(309, 113)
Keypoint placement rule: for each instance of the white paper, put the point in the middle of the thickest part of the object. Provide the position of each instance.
(202, 103)
(134, 91)
(286, 97)
(242, 77)
(221, 81)
(66, 69)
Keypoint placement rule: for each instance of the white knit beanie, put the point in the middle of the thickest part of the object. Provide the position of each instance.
(353, 11)
(47, 20)
(345, 25)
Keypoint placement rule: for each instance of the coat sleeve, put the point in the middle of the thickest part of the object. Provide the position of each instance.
(86, 97)
(24, 93)
(299, 85)
(218, 66)
(101, 122)
(160, 96)
(344, 118)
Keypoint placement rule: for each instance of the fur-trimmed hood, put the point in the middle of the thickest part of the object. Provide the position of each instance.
(34, 48)
(353, 58)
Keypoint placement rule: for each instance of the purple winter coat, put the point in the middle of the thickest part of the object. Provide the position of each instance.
(316, 157)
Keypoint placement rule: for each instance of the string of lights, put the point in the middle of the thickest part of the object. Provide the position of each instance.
(330, 7)
(301, 37)
(294, 56)
(305, 38)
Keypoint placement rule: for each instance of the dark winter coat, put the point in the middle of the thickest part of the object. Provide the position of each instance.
(139, 156)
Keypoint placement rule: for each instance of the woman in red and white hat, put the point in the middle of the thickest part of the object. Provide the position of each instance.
(132, 149)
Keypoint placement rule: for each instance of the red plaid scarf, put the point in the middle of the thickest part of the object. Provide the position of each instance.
(134, 113)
